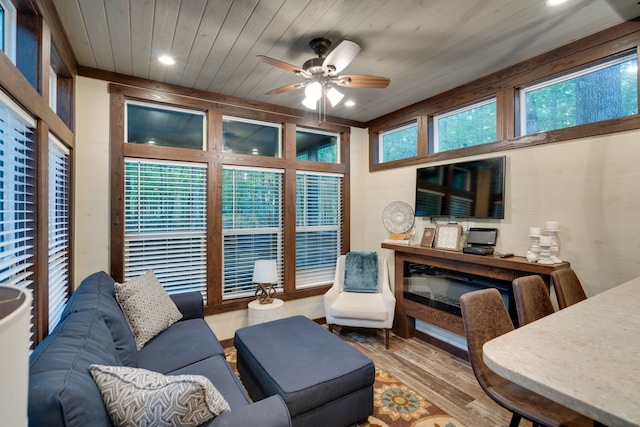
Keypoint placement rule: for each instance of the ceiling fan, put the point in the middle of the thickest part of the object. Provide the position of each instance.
(323, 74)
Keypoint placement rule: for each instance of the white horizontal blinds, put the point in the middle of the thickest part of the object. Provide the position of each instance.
(17, 207)
(59, 226)
(252, 225)
(166, 223)
(318, 227)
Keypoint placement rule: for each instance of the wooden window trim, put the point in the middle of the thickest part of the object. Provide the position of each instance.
(504, 86)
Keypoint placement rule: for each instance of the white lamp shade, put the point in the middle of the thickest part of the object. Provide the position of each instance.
(310, 103)
(313, 91)
(335, 96)
(265, 271)
(15, 309)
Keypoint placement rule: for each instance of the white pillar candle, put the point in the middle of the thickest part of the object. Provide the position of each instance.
(545, 240)
(534, 231)
(552, 225)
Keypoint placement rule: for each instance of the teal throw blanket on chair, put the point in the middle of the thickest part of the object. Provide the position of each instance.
(361, 272)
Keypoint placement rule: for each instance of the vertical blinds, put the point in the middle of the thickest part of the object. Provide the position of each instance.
(252, 222)
(17, 208)
(59, 226)
(165, 223)
(318, 227)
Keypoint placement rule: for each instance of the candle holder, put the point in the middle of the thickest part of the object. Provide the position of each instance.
(545, 253)
(533, 254)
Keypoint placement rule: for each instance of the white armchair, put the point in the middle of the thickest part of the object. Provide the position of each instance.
(360, 309)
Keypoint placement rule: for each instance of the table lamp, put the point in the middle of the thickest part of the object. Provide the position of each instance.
(265, 274)
(15, 310)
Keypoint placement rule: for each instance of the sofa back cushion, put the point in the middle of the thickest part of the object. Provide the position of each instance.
(61, 389)
(97, 292)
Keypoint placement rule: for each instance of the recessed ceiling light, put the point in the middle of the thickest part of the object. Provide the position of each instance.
(552, 3)
(167, 60)
(349, 103)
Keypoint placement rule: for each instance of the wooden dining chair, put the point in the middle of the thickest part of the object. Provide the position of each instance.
(485, 317)
(567, 287)
(532, 299)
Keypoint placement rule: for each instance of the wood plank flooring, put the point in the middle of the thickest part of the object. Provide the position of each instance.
(445, 380)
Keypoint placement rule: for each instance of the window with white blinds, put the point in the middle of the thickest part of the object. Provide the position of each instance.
(166, 223)
(318, 227)
(252, 222)
(59, 226)
(17, 201)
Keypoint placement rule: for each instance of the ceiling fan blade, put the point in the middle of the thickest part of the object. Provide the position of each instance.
(340, 57)
(362, 81)
(283, 65)
(286, 88)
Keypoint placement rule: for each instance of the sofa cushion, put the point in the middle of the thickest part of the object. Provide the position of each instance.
(147, 307)
(222, 376)
(138, 397)
(97, 291)
(61, 391)
(190, 341)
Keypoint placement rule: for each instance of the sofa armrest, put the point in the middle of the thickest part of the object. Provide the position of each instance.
(269, 412)
(190, 304)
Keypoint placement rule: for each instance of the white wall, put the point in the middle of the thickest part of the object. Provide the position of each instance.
(589, 186)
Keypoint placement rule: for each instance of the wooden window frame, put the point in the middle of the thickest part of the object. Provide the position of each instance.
(504, 86)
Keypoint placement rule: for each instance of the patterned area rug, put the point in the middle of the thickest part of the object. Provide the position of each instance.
(394, 404)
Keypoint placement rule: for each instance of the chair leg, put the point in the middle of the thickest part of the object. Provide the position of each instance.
(515, 420)
(386, 338)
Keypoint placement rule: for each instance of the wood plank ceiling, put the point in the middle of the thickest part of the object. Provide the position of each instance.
(424, 47)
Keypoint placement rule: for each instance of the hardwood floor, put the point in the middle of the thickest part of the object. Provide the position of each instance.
(445, 380)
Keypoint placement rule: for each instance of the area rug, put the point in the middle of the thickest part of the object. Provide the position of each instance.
(394, 404)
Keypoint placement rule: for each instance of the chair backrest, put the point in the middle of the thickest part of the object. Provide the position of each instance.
(485, 317)
(567, 287)
(532, 299)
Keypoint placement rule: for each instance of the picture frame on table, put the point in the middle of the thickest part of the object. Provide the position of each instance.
(448, 237)
(428, 235)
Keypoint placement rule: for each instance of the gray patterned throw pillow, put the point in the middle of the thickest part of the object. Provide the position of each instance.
(147, 307)
(138, 397)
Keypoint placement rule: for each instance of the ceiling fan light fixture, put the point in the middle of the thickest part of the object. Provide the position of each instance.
(310, 103)
(334, 96)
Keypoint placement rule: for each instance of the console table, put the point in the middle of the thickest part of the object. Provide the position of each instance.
(483, 266)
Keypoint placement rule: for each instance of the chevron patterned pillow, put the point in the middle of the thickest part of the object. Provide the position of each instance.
(147, 307)
(138, 397)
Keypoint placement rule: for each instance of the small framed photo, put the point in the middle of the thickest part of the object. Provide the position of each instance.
(448, 237)
(427, 236)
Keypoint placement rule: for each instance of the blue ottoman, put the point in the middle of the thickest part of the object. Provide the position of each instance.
(324, 381)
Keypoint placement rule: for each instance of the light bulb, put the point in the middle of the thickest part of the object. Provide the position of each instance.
(313, 91)
(335, 96)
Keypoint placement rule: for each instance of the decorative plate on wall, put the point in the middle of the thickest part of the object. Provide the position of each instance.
(398, 217)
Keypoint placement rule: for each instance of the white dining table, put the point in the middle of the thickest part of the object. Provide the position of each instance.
(585, 357)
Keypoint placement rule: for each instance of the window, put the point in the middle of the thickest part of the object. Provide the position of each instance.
(165, 126)
(601, 92)
(166, 223)
(59, 228)
(318, 227)
(244, 136)
(252, 225)
(17, 201)
(8, 29)
(398, 143)
(317, 146)
(465, 127)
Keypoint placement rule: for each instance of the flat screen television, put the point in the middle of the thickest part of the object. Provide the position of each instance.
(471, 189)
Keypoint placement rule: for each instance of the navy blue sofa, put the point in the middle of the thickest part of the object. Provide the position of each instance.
(93, 329)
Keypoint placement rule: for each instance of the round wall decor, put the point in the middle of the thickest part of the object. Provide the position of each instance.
(398, 217)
